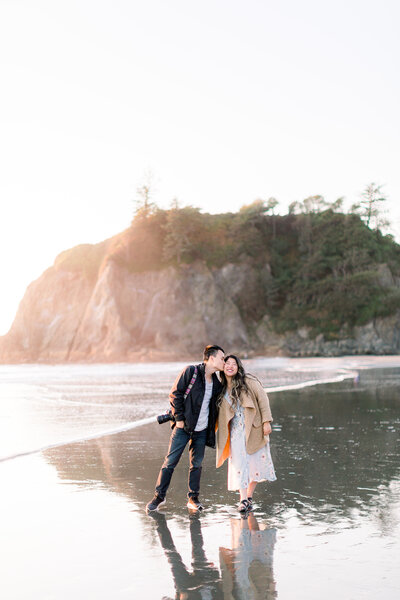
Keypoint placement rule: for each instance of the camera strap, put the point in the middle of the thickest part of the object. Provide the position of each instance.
(189, 387)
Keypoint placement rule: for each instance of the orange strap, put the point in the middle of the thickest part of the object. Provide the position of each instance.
(226, 453)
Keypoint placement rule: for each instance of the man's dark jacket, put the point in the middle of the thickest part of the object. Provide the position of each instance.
(188, 409)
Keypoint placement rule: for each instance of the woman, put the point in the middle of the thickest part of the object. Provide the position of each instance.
(247, 567)
(244, 424)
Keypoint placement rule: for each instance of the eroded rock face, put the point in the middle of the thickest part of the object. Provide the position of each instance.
(167, 310)
(381, 336)
(47, 318)
(63, 317)
(166, 314)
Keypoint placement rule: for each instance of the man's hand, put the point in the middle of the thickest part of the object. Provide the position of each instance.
(180, 424)
(267, 428)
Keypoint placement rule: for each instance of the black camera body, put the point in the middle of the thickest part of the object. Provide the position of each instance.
(168, 416)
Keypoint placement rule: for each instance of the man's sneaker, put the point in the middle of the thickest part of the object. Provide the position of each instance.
(155, 504)
(194, 503)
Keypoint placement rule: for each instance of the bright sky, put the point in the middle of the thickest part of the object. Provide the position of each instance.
(225, 101)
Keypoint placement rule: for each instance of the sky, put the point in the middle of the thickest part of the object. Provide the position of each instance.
(223, 101)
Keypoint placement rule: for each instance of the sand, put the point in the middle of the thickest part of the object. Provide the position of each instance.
(74, 526)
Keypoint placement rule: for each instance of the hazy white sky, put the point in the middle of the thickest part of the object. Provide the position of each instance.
(224, 100)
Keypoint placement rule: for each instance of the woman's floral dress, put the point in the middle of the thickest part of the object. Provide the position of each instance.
(243, 467)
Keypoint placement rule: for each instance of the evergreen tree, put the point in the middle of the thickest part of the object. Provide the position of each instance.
(180, 228)
(370, 206)
(144, 205)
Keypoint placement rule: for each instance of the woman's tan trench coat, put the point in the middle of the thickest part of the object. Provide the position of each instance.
(256, 412)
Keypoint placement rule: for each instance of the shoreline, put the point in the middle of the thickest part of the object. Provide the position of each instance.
(329, 370)
(76, 522)
(167, 358)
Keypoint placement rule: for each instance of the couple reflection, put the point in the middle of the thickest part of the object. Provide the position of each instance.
(245, 568)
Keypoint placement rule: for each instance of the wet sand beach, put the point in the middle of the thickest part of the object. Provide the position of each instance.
(73, 519)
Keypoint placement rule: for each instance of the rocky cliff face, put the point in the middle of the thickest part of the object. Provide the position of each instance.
(120, 315)
(381, 336)
(123, 316)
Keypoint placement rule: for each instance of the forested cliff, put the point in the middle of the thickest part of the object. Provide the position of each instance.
(314, 281)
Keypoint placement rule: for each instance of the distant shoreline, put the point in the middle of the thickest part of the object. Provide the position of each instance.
(164, 357)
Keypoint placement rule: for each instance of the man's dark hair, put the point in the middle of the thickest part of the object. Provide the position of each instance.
(211, 350)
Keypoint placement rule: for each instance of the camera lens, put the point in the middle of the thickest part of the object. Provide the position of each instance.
(164, 418)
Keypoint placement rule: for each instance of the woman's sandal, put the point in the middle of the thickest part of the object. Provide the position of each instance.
(244, 506)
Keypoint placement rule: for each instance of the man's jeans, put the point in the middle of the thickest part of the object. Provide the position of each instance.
(177, 443)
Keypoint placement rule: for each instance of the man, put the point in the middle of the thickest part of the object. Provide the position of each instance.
(203, 579)
(193, 405)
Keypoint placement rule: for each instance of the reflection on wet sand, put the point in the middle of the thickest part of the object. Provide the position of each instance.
(202, 580)
(336, 501)
(246, 568)
(335, 451)
(74, 522)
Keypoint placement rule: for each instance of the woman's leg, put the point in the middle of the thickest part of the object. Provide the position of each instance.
(243, 494)
(250, 489)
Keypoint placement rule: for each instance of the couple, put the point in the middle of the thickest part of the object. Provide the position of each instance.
(238, 407)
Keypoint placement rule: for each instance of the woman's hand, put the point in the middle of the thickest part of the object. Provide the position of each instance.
(267, 429)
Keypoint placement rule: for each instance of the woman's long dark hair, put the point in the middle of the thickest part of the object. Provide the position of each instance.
(238, 383)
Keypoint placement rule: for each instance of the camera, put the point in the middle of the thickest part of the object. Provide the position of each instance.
(168, 416)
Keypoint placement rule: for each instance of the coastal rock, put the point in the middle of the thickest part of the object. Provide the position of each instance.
(381, 336)
(269, 342)
(123, 316)
(91, 306)
(46, 322)
(385, 277)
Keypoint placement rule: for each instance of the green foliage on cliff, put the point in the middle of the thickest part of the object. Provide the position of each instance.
(315, 266)
(86, 258)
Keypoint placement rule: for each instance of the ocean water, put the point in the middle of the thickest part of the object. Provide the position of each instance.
(43, 406)
(80, 452)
